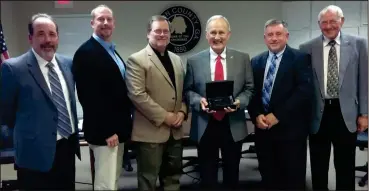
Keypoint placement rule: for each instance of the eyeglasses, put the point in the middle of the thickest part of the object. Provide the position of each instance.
(331, 22)
(161, 31)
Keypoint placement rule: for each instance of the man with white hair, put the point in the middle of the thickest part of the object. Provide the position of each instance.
(340, 108)
(224, 129)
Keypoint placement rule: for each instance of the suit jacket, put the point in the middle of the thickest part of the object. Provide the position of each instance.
(102, 93)
(198, 74)
(26, 105)
(353, 79)
(153, 95)
(291, 96)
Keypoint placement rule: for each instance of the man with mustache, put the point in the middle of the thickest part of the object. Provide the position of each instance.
(223, 129)
(99, 73)
(340, 107)
(37, 100)
(155, 81)
(281, 109)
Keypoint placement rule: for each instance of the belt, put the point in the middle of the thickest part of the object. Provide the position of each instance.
(332, 101)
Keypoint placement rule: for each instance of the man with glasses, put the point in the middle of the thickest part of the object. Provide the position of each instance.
(340, 107)
(154, 80)
(223, 129)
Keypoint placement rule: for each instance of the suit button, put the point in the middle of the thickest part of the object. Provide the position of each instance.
(55, 118)
(173, 98)
(321, 111)
(53, 133)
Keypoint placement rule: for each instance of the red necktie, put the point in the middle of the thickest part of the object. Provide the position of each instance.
(219, 75)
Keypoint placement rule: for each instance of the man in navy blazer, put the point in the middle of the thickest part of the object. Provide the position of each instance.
(37, 99)
(99, 73)
(281, 110)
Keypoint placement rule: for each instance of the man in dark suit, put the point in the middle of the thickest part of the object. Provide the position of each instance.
(281, 110)
(340, 106)
(226, 129)
(99, 73)
(37, 100)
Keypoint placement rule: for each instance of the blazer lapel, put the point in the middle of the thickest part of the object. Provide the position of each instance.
(102, 50)
(35, 71)
(318, 62)
(67, 76)
(177, 73)
(154, 59)
(229, 66)
(263, 63)
(345, 49)
(283, 65)
(206, 61)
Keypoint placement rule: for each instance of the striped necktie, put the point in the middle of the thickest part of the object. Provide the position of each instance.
(64, 123)
(268, 83)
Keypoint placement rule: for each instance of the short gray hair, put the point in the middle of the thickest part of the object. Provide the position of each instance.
(276, 22)
(99, 7)
(333, 9)
(217, 17)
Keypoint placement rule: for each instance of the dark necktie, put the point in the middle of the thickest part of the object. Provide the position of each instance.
(219, 75)
(268, 83)
(64, 123)
(332, 78)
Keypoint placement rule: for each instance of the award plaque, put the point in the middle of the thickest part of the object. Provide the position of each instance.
(219, 95)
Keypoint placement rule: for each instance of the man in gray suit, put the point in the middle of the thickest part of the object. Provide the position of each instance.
(340, 63)
(226, 129)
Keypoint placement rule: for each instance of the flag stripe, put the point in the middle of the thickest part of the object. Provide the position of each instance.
(3, 49)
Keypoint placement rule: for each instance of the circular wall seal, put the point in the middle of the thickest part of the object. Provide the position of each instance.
(185, 31)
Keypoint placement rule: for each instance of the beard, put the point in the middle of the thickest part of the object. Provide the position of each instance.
(47, 51)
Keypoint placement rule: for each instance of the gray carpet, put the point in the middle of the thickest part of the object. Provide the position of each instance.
(249, 175)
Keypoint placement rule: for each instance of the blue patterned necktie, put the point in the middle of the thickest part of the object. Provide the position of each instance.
(268, 83)
(64, 123)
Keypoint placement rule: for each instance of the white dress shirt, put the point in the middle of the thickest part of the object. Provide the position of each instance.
(326, 48)
(213, 61)
(44, 70)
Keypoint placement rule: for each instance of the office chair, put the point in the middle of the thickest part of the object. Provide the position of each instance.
(250, 138)
(362, 143)
(7, 154)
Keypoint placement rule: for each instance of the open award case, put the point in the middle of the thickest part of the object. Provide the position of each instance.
(219, 95)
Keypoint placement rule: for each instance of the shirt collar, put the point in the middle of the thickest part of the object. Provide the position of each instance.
(158, 53)
(42, 62)
(327, 40)
(214, 55)
(279, 54)
(106, 45)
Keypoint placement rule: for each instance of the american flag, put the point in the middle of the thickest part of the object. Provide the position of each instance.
(3, 49)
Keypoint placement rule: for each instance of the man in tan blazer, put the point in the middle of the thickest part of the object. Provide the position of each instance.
(154, 79)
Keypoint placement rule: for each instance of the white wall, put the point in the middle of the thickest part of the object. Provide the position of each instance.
(302, 18)
(247, 19)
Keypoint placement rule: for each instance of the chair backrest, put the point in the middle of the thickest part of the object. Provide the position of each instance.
(7, 151)
(187, 125)
(362, 139)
